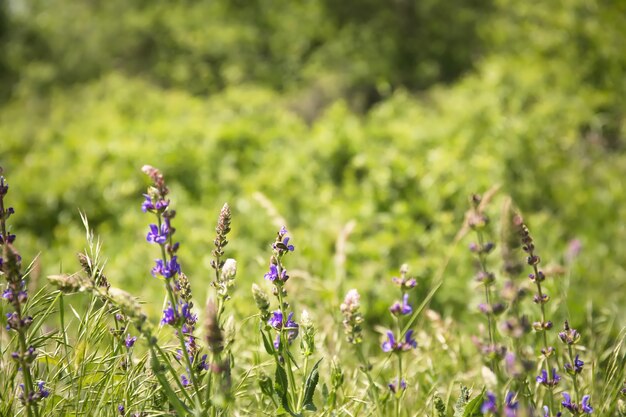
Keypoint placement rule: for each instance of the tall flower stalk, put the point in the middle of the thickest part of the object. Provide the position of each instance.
(478, 220)
(352, 320)
(225, 272)
(279, 330)
(548, 377)
(18, 320)
(574, 367)
(403, 343)
(179, 311)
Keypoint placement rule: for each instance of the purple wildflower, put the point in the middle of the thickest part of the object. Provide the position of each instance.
(187, 314)
(273, 274)
(585, 406)
(276, 320)
(10, 238)
(544, 380)
(510, 406)
(567, 403)
(147, 205)
(156, 235)
(393, 385)
(166, 269)
(130, 341)
(576, 368)
(389, 344)
(121, 409)
(292, 328)
(169, 315)
(184, 380)
(574, 408)
(289, 247)
(403, 308)
(203, 364)
(281, 245)
(489, 405)
(392, 345)
(44, 393)
(409, 342)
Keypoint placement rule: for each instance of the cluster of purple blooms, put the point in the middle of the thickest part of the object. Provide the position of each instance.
(391, 345)
(278, 276)
(290, 326)
(490, 406)
(40, 393)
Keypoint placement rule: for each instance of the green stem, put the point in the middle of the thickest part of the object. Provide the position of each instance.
(544, 331)
(158, 352)
(28, 382)
(399, 386)
(483, 267)
(371, 389)
(306, 369)
(284, 344)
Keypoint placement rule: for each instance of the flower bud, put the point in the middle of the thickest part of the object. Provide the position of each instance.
(229, 270)
(260, 298)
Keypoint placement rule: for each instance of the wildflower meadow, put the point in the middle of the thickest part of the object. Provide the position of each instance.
(363, 208)
(80, 346)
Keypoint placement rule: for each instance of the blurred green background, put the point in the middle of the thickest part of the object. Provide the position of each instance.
(316, 113)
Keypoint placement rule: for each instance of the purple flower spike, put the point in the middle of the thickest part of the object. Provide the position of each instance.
(489, 405)
(586, 407)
